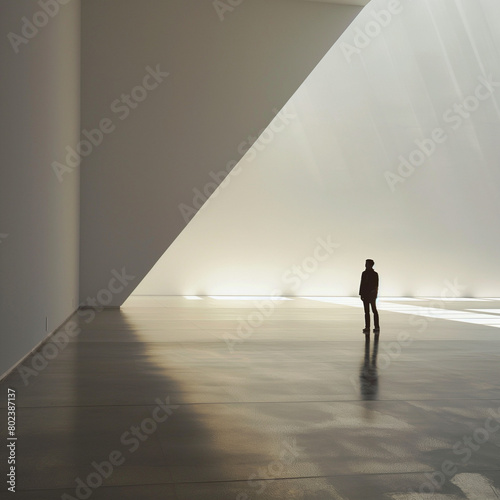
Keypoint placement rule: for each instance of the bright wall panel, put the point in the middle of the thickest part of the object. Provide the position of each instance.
(228, 68)
(391, 152)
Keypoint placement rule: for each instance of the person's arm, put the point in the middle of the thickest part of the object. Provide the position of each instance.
(361, 287)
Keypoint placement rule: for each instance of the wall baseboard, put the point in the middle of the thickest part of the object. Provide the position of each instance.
(36, 348)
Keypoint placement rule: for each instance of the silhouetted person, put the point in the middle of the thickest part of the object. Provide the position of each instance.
(368, 290)
(368, 376)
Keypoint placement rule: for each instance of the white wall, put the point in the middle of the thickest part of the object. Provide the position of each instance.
(325, 174)
(39, 99)
(227, 73)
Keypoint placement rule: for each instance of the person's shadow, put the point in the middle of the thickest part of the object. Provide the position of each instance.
(368, 376)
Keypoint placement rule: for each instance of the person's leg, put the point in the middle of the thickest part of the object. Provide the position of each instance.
(366, 304)
(375, 314)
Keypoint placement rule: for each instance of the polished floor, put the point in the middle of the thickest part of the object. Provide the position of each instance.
(216, 398)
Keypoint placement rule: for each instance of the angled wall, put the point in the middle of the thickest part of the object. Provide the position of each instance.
(165, 138)
(393, 154)
(39, 232)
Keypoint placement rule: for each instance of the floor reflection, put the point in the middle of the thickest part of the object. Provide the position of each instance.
(368, 375)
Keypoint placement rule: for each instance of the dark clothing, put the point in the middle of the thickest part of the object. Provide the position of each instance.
(367, 303)
(368, 289)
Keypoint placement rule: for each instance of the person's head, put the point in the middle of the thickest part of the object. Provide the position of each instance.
(369, 264)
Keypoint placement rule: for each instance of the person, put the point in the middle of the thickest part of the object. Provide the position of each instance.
(368, 290)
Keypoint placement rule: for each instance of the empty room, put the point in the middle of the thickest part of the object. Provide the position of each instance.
(248, 249)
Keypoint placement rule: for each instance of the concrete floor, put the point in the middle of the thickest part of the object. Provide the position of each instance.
(170, 398)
